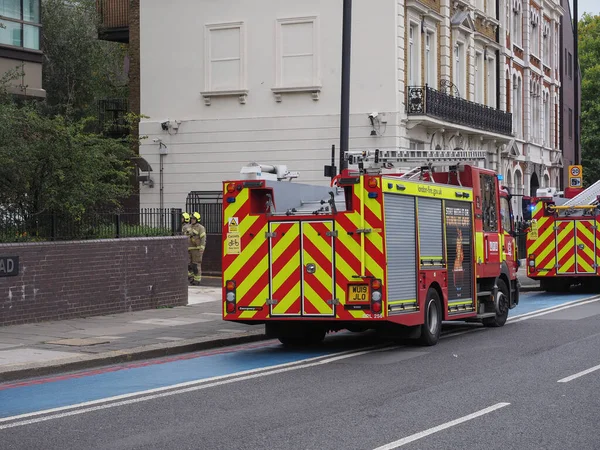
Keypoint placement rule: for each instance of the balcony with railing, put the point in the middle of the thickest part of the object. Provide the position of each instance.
(114, 20)
(426, 101)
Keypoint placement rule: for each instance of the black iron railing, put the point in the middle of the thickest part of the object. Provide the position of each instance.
(210, 206)
(15, 227)
(424, 100)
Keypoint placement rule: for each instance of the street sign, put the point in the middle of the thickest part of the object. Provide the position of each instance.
(9, 266)
(576, 177)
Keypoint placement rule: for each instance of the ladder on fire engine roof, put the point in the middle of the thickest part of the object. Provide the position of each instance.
(416, 159)
(587, 197)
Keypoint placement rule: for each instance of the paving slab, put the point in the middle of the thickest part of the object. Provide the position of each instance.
(51, 347)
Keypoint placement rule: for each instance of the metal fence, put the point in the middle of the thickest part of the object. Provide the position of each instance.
(521, 238)
(91, 225)
(210, 206)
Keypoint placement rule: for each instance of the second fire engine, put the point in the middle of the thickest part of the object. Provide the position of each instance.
(393, 252)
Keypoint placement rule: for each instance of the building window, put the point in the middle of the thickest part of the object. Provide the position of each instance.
(413, 55)
(460, 67)
(20, 23)
(535, 40)
(517, 27)
(570, 65)
(546, 45)
(546, 121)
(491, 8)
(491, 82)
(297, 53)
(430, 59)
(570, 123)
(225, 57)
(479, 78)
(517, 106)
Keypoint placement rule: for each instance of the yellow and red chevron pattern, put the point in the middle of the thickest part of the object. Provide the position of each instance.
(285, 275)
(317, 249)
(290, 267)
(561, 246)
(565, 248)
(585, 246)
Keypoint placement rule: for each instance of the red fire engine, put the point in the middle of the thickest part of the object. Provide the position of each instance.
(563, 241)
(391, 252)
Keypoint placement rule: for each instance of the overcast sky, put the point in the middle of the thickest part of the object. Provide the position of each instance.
(588, 6)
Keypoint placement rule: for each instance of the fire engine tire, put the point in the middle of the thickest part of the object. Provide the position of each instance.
(431, 328)
(503, 300)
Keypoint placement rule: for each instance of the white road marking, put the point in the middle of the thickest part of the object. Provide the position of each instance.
(580, 374)
(189, 386)
(444, 426)
(553, 309)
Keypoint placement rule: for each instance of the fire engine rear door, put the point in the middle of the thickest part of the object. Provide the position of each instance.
(318, 293)
(301, 269)
(565, 248)
(285, 277)
(585, 246)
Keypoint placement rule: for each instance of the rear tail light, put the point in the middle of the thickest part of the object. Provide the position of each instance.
(531, 262)
(372, 182)
(230, 296)
(376, 296)
(231, 188)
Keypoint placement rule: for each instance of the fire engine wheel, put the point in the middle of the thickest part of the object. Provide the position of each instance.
(431, 328)
(502, 298)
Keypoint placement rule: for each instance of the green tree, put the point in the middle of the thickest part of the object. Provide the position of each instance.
(589, 61)
(78, 68)
(48, 164)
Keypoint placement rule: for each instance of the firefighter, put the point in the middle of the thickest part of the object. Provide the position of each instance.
(186, 229)
(196, 247)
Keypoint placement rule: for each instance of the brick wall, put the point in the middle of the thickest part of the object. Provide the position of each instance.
(63, 280)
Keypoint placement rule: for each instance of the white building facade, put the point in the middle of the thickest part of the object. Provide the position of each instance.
(230, 82)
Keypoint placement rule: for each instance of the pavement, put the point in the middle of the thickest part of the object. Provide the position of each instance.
(45, 348)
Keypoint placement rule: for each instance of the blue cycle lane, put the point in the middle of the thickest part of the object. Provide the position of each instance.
(75, 388)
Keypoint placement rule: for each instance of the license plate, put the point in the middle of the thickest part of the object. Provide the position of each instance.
(359, 293)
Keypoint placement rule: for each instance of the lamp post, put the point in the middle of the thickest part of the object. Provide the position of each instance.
(577, 155)
(346, 57)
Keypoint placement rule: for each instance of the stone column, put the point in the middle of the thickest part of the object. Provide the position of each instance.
(445, 41)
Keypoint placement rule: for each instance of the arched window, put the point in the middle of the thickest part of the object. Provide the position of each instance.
(518, 190)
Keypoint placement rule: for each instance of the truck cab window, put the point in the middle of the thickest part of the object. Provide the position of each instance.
(489, 206)
(505, 214)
